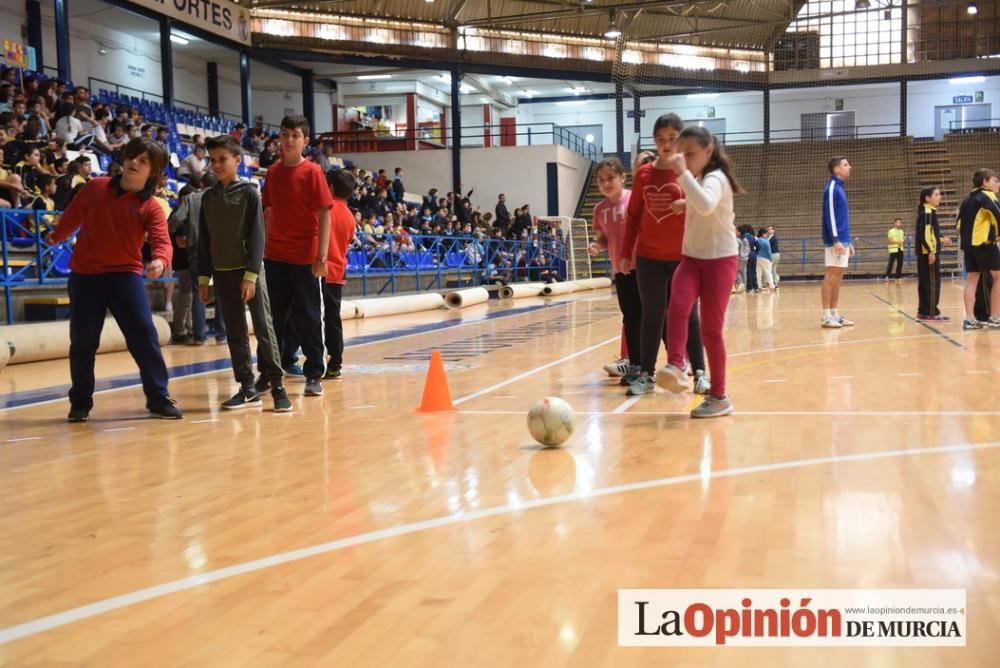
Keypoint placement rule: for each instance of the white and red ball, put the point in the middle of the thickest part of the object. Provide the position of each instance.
(551, 421)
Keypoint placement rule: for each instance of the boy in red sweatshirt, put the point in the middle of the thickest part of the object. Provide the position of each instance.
(297, 205)
(342, 225)
(113, 215)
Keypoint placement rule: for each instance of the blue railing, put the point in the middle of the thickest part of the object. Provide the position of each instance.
(38, 264)
(869, 253)
(435, 262)
(453, 261)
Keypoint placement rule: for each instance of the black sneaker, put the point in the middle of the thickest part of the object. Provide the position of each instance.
(314, 388)
(262, 384)
(281, 402)
(78, 414)
(332, 373)
(245, 398)
(165, 409)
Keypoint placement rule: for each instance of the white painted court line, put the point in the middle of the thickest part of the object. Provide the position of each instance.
(358, 408)
(118, 429)
(908, 374)
(628, 403)
(978, 371)
(538, 369)
(841, 377)
(738, 413)
(776, 380)
(23, 439)
(43, 624)
(205, 420)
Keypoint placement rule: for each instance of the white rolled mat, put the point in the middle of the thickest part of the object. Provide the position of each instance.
(4, 353)
(379, 306)
(594, 283)
(39, 341)
(348, 310)
(559, 288)
(518, 290)
(467, 297)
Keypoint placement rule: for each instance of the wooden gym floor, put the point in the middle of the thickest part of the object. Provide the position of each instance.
(356, 533)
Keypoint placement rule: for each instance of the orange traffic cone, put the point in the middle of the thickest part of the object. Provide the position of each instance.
(437, 396)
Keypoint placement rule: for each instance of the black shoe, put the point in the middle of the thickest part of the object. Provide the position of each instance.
(180, 341)
(332, 373)
(314, 388)
(78, 414)
(196, 342)
(165, 409)
(262, 384)
(221, 340)
(281, 402)
(245, 398)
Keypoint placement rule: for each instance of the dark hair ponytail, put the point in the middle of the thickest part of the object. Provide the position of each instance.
(924, 194)
(719, 160)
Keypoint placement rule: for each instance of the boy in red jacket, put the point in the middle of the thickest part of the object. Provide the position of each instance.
(113, 215)
(342, 186)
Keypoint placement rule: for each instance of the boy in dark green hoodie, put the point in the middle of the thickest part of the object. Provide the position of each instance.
(231, 251)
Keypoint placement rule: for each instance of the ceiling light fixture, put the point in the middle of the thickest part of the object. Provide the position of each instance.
(959, 81)
(367, 77)
(177, 39)
(613, 32)
(972, 9)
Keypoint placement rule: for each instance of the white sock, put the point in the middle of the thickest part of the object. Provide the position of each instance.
(826, 314)
(834, 313)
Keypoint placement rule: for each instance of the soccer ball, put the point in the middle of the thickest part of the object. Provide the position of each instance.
(550, 421)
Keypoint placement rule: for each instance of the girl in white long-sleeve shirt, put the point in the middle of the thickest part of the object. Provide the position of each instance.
(710, 261)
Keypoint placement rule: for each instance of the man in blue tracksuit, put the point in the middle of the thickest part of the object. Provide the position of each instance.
(837, 240)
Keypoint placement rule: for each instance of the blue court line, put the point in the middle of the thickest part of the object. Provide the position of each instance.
(54, 393)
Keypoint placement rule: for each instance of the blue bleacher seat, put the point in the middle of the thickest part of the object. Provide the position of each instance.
(60, 260)
(20, 229)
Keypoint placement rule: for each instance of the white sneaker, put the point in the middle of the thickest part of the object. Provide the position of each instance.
(830, 322)
(617, 369)
(672, 379)
(844, 322)
(702, 385)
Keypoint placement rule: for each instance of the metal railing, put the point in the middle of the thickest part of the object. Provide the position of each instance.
(379, 260)
(142, 95)
(973, 126)
(531, 134)
(871, 254)
(38, 264)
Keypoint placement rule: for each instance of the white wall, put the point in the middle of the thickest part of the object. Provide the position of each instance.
(519, 172)
(743, 113)
(923, 96)
(875, 104)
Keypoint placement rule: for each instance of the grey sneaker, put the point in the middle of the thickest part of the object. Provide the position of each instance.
(993, 323)
(633, 375)
(832, 323)
(972, 324)
(713, 407)
(672, 379)
(702, 385)
(643, 385)
(314, 388)
(844, 322)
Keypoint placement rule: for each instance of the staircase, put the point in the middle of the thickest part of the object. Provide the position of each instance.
(933, 170)
(587, 266)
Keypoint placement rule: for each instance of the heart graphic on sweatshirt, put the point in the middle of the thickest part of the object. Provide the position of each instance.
(660, 199)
